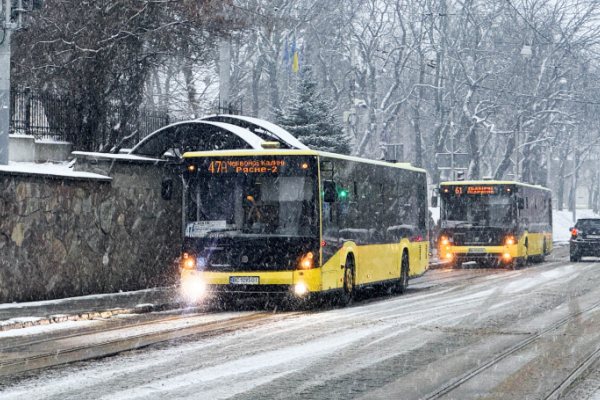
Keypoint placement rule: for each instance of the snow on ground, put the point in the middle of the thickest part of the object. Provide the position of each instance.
(63, 169)
(88, 297)
(39, 329)
(530, 283)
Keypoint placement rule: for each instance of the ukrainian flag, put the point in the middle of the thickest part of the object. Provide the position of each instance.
(294, 56)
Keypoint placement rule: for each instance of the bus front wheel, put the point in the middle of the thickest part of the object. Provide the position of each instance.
(349, 289)
(526, 256)
(543, 255)
(402, 283)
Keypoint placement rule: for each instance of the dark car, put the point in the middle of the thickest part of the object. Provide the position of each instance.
(585, 239)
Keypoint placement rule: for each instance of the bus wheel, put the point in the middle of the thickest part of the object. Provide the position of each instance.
(525, 258)
(348, 281)
(543, 255)
(402, 283)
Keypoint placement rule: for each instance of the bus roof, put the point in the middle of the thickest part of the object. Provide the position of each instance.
(491, 182)
(290, 152)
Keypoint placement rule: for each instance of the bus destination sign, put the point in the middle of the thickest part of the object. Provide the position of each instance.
(245, 166)
(480, 190)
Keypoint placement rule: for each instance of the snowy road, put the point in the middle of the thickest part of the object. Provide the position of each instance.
(455, 335)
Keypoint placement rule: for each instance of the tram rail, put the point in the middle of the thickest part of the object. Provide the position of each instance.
(556, 393)
(106, 348)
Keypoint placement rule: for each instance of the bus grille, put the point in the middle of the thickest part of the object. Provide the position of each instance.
(478, 237)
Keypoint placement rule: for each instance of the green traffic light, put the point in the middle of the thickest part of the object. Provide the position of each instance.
(343, 193)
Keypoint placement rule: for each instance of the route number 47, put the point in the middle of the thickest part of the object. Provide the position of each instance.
(217, 167)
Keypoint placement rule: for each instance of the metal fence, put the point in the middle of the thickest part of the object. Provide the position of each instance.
(50, 117)
(29, 115)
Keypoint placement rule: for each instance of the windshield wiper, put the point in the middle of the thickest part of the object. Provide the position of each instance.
(463, 224)
(223, 230)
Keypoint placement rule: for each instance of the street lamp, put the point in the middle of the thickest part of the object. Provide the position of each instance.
(526, 51)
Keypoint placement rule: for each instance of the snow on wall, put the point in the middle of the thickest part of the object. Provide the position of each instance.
(59, 170)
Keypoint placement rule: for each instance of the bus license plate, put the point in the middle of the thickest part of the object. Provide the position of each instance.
(243, 280)
(476, 250)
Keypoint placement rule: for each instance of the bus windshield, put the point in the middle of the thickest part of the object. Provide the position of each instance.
(478, 210)
(245, 204)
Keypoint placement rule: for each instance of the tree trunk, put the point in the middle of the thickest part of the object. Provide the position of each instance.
(560, 191)
(190, 89)
(256, 75)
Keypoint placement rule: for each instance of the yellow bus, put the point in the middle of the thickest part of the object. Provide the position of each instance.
(300, 223)
(501, 223)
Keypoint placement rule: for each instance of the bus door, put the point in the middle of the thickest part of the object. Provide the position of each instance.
(331, 271)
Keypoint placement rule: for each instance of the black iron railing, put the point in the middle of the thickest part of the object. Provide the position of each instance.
(37, 114)
(50, 117)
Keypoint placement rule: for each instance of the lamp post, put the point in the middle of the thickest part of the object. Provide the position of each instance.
(7, 28)
(526, 53)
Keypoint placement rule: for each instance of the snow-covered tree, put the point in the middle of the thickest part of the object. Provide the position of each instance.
(308, 115)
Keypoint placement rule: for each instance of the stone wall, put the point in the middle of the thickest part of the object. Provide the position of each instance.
(64, 236)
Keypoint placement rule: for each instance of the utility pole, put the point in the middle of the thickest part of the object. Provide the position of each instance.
(517, 151)
(7, 27)
(452, 174)
(549, 163)
(574, 178)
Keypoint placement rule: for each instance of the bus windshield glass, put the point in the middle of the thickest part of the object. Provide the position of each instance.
(242, 204)
(478, 210)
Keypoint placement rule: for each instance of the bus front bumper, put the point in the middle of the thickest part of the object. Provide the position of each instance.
(479, 253)
(298, 283)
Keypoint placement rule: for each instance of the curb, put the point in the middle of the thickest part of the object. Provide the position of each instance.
(26, 322)
(438, 265)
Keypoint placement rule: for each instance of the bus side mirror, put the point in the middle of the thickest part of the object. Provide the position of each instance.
(166, 189)
(434, 201)
(520, 203)
(329, 192)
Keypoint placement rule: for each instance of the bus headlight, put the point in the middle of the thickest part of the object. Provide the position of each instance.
(444, 240)
(193, 288)
(449, 256)
(189, 262)
(307, 261)
(509, 240)
(300, 289)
